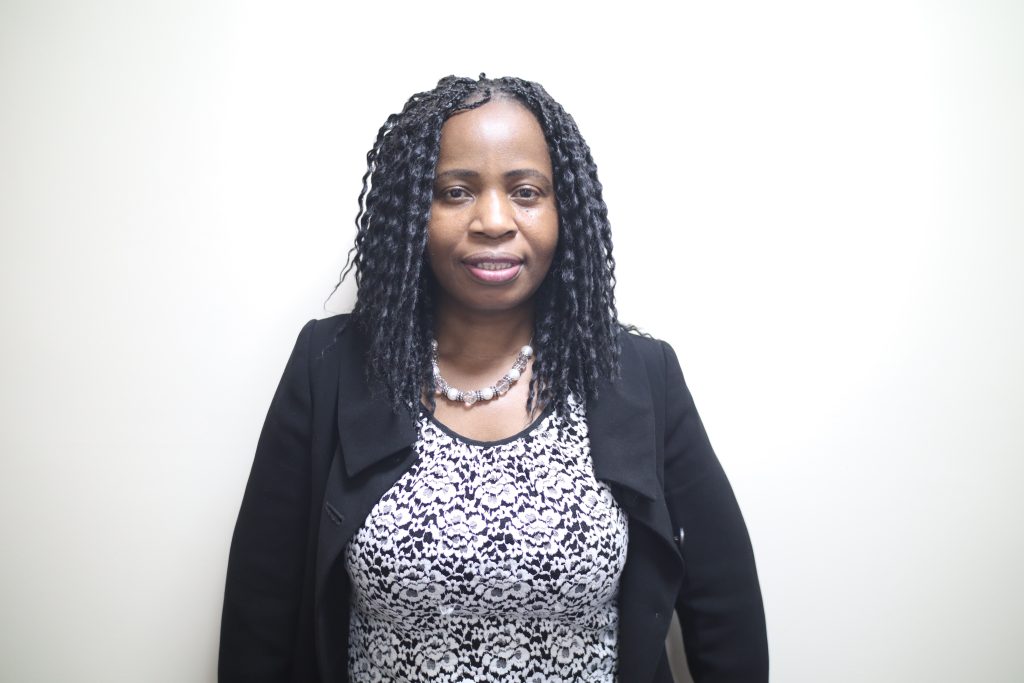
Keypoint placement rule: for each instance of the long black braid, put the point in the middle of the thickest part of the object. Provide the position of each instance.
(576, 322)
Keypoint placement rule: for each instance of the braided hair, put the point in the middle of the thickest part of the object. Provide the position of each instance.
(575, 321)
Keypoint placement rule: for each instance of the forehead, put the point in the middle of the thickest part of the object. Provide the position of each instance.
(502, 130)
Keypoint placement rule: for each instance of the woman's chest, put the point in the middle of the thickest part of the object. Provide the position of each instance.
(474, 529)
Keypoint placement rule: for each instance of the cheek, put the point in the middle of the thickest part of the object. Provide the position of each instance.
(542, 228)
(435, 238)
(439, 249)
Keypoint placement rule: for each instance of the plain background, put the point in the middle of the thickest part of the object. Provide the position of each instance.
(819, 204)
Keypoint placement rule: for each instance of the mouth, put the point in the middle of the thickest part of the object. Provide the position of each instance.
(492, 269)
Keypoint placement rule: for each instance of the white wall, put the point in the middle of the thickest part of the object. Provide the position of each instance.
(818, 203)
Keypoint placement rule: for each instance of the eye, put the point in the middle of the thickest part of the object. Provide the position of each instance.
(527, 192)
(455, 194)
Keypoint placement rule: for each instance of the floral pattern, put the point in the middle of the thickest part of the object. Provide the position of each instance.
(490, 561)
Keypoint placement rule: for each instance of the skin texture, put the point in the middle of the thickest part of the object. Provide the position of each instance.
(493, 192)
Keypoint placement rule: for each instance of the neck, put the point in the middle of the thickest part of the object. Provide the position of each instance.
(475, 337)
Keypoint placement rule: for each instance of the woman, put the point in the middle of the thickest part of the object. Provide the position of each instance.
(479, 474)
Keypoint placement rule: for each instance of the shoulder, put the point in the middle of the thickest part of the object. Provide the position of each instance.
(654, 352)
(324, 332)
(319, 343)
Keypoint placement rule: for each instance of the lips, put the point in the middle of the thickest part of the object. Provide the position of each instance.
(493, 267)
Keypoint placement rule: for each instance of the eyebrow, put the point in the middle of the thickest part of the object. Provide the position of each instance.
(526, 173)
(466, 174)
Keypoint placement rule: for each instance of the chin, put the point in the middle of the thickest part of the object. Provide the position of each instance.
(495, 306)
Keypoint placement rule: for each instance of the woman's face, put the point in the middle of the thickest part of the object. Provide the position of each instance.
(493, 222)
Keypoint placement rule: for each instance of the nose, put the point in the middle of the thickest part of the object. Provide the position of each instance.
(495, 215)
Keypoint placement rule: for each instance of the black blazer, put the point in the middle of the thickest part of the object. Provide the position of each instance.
(329, 451)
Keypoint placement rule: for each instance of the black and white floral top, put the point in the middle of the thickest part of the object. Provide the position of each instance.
(490, 561)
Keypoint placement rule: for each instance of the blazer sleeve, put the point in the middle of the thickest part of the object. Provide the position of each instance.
(719, 605)
(267, 557)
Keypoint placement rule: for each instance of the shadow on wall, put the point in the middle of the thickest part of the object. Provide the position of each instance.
(676, 654)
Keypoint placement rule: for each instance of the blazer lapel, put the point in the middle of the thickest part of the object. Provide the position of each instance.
(621, 427)
(368, 433)
(624, 443)
(368, 429)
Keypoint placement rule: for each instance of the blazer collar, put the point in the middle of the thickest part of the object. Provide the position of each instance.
(620, 421)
